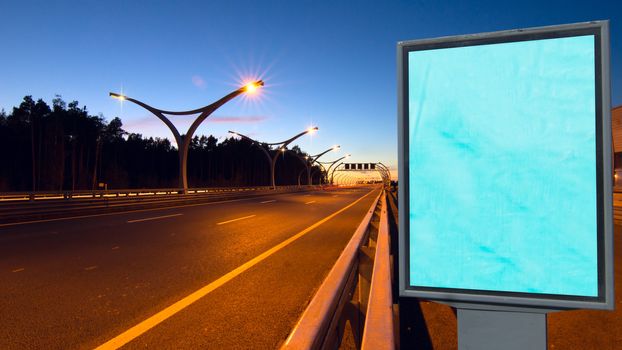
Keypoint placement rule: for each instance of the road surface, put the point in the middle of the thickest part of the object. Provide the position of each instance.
(235, 274)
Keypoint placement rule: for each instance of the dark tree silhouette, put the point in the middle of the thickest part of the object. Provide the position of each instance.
(62, 147)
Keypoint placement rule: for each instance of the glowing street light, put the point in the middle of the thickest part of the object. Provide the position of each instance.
(280, 149)
(117, 96)
(331, 165)
(313, 159)
(183, 141)
(253, 86)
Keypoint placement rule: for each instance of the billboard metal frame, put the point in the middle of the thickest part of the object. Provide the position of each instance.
(518, 301)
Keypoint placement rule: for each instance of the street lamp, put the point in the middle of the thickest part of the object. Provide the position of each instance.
(385, 173)
(183, 141)
(331, 174)
(313, 159)
(327, 171)
(280, 149)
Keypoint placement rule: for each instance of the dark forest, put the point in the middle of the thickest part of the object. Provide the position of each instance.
(62, 148)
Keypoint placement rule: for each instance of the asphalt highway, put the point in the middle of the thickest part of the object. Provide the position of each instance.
(234, 274)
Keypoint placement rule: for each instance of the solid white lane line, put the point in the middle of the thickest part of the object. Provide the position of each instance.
(90, 268)
(19, 270)
(310, 202)
(153, 218)
(171, 310)
(242, 218)
(270, 201)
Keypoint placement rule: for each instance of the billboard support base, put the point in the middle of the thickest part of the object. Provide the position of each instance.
(509, 330)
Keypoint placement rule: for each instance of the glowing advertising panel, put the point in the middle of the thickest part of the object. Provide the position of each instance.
(503, 143)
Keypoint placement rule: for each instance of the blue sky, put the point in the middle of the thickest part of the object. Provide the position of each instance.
(330, 64)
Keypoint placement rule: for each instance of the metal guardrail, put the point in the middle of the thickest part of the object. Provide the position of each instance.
(14, 211)
(345, 295)
(617, 205)
(82, 194)
(379, 331)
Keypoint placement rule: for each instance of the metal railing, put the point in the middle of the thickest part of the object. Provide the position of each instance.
(90, 202)
(617, 205)
(352, 293)
(379, 330)
(82, 194)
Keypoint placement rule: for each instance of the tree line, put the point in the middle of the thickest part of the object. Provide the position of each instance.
(62, 147)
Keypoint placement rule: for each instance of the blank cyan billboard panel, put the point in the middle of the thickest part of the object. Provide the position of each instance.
(502, 167)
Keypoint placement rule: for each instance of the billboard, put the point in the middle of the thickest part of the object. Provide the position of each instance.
(505, 156)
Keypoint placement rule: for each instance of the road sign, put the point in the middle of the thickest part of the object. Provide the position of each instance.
(359, 166)
(505, 168)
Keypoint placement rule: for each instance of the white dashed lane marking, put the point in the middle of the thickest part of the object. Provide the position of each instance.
(153, 218)
(242, 218)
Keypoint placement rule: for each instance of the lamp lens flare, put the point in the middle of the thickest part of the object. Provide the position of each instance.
(251, 87)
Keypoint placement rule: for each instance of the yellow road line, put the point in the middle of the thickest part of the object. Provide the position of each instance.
(161, 316)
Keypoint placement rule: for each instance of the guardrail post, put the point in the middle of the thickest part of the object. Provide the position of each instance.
(366, 265)
(342, 297)
(379, 333)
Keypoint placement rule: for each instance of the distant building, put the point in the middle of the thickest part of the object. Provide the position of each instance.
(616, 129)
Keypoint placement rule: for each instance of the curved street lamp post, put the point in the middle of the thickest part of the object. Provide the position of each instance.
(332, 174)
(328, 172)
(313, 159)
(282, 147)
(183, 140)
(385, 173)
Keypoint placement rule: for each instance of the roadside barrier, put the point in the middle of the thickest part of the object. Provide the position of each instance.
(82, 194)
(45, 205)
(356, 294)
(617, 206)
